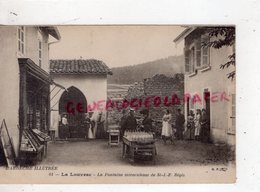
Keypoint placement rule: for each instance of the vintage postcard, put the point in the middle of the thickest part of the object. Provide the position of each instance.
(118, 104)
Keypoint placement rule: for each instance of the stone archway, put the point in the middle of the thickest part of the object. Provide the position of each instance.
(76, 128)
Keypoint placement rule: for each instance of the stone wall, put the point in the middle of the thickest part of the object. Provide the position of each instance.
(163, 86)
(159, 86)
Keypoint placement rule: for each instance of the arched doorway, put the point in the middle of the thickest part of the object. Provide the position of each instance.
(75, 127)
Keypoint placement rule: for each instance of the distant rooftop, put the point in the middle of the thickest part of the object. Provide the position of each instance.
(89, 66)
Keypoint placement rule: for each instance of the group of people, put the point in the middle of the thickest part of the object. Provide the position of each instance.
(129, 122)
(167, 129)
(93, 121)
(198, 126)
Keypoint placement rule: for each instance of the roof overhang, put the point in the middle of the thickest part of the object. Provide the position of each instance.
(53, 31)
(184, 34)
(28, 66)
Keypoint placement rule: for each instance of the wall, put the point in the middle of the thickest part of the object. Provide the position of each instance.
(161, 85)
(9, 82)
(215, 79)
(32, 47)
(94, 88)
(116, 92)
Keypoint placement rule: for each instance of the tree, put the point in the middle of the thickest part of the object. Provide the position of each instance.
(220, 37)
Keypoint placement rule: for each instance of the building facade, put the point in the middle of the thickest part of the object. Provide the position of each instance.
(85, 83)
(25, 80)
(206, 85)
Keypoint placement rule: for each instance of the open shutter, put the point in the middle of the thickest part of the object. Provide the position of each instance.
(205, 52)
(198, 53)
(192, 60)
(187, 60)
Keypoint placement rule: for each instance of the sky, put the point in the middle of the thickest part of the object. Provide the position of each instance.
(117, 45)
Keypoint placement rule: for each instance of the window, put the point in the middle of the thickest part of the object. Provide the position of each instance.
(187, 60)
(198, 53)
(40, 53)
(21, 40)
(193, 57)
(205, 51)
(40, 47)
(192, 60)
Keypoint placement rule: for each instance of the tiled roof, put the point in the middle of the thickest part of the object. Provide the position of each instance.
(90, 66)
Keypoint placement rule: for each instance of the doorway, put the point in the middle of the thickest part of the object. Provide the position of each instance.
(207, 95)
(75, 126)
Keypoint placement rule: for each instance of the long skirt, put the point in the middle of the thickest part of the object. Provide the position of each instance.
(197, 130)
(166, 129)
(90, 133)
(190, 133)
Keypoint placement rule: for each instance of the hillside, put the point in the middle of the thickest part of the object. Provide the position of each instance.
(134, 73)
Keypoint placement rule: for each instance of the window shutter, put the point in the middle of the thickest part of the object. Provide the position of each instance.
(205, 51)
(187, 60)
(198, 53)
(192, 60)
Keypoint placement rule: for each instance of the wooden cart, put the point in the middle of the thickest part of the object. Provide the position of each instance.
(134, 149)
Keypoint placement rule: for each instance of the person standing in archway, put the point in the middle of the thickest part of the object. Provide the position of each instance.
(65, 124)
(86, 125)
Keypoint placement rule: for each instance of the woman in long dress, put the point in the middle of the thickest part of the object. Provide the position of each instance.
(166, 126)
(190, 126)
(90, 132)
(90, 129)
(197, 122)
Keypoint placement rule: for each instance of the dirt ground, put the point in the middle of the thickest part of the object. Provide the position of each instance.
(97, 152)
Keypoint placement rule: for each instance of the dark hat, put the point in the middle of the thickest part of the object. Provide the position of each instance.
(144, 111)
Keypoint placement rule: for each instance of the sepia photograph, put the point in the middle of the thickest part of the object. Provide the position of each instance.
(118, 104)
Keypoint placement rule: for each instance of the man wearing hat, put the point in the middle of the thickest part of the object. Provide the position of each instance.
(122, 123)
(130, 122)
(179, 123)
(147, 121)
